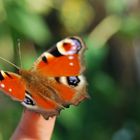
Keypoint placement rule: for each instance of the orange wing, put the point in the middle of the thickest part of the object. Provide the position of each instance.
(64, 59)
(64, 63)
(71, 89)
(35, 103)
(12, 85)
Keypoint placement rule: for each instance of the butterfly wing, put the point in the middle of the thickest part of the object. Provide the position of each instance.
(12, 85)
(64, 59)
(71, 89)
(64, 91)
(47, 109)
(64, 63)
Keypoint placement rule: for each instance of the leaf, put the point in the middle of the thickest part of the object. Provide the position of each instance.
(131, 26)
(29, 24)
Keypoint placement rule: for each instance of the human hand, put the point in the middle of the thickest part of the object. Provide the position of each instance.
(33, 126)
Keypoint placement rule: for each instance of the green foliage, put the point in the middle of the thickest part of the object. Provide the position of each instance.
(111, 30)
(131, 26)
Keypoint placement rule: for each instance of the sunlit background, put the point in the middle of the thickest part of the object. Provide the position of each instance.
(111, 31)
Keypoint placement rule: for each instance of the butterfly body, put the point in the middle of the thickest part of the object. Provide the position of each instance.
(36, 83)
(54, 82)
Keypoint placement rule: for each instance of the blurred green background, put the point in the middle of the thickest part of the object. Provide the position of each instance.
(111, 31)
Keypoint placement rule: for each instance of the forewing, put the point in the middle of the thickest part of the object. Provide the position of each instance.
(64, 59)
(12, 85)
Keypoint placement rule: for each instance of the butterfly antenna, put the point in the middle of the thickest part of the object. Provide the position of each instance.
(10, 63)
(19, 52)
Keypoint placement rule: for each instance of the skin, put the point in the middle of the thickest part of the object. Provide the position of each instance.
(33, 126)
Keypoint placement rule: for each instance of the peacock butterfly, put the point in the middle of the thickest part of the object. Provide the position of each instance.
(53, 83)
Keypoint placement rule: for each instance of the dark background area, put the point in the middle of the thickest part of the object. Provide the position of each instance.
(111, 31)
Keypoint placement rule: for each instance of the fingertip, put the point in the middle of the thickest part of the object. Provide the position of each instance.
(33, 126)
(31, 115)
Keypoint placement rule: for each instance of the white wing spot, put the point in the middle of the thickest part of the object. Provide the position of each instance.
(10, 90)
(74, 48)
(3, 73)
(71, 57)
(71, 64)
(2, 85)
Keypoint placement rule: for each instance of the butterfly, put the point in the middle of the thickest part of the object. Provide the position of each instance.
(54, 82)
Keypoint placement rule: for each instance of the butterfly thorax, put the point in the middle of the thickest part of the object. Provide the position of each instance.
(38, 84)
